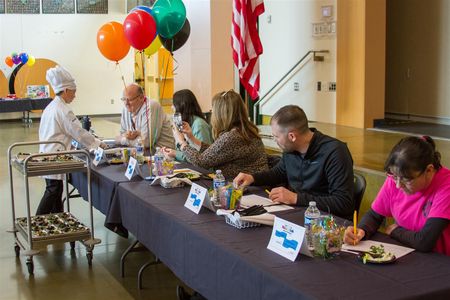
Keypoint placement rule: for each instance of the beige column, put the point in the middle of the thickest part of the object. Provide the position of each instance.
(361, 43)
(222, 70)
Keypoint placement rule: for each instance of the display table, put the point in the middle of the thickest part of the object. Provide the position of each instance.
(104, 182)
(23, 105)
(222, 262)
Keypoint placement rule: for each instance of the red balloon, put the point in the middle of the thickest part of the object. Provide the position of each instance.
(111, 41)
(140, 29)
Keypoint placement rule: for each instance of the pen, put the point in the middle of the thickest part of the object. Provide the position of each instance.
(355, 220)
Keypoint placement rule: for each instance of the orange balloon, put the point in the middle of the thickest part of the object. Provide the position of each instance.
(111, 41)
(9, 61)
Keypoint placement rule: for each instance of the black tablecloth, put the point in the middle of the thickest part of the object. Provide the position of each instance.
(222, 262)
(104, 182)
(20, 105)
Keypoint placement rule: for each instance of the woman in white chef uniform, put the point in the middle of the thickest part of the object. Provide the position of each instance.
(59, 123)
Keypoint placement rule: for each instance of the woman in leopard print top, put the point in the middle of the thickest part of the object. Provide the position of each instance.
(237, 146)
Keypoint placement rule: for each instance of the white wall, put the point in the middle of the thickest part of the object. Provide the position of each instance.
(285, 40)
(70, 40)
(193, 60)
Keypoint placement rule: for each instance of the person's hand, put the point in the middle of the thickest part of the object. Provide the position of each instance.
(390, 228)
(179, 137)
(283, 195)
(131, 135)
(243, 180)
(169, 153)
(187, 130)
(103, 145)
(350, 238)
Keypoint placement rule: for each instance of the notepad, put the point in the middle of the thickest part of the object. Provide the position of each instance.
(250, 200)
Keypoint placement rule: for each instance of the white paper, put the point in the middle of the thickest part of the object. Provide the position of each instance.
(269, 205)
(98, 156)
(398, 251)
(195, 198)
(130, 168)
(286, 238)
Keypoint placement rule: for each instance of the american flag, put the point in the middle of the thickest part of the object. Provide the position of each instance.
(246, 43)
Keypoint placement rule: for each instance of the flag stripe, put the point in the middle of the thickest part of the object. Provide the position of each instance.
(246, 43)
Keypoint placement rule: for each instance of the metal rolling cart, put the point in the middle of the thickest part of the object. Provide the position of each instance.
(26, 237)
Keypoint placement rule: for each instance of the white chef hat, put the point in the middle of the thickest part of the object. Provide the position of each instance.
(60, 79)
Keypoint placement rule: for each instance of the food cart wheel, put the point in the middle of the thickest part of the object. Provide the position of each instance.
(30, 265)
(72, 245)
(17, 250)
(89, 257)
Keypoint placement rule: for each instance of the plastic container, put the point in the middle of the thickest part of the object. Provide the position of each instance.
(139, 150)
(158, 161)
(218, 182)
(312, 216)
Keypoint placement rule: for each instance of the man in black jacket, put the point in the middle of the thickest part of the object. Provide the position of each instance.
(316, 167)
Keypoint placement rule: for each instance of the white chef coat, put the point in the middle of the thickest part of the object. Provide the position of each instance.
(59, 123)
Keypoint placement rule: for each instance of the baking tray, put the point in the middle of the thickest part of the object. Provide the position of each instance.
(61, 226)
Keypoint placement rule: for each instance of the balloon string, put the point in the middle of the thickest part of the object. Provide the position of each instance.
(121, 74)
(176, 65)
(143, 69)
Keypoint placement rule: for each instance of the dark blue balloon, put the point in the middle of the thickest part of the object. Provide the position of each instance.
(23, 57)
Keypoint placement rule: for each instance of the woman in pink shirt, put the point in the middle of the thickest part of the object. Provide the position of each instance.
(416, 194)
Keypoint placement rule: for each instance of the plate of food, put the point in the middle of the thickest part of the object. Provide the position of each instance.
(377, 255)
(189, 175)
(116, 161)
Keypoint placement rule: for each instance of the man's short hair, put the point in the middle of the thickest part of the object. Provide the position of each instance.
(291, 117)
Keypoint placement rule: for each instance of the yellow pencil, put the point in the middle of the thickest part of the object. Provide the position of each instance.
(355, 221)
(267, 191)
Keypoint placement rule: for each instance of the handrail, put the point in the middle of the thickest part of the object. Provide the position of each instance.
(257, 103)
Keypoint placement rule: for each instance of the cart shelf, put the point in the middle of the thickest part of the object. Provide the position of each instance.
(33, 232)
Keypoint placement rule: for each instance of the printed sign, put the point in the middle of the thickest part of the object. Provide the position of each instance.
(130, 168)
(98, 156)
(195, 198)
(286, 239)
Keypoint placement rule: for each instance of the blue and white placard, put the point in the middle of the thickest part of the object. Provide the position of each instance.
(196, 197)
(74, 144)
(98, 156)
(130, 168)
(286, 238)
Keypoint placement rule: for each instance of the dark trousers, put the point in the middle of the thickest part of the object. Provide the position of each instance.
(51, 202)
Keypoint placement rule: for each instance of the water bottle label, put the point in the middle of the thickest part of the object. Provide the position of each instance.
(218, 184)
(307, 221)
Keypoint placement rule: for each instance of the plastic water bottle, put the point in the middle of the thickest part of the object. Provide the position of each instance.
(159, 158)
(312, 215)
(218, 182)
(139, 150)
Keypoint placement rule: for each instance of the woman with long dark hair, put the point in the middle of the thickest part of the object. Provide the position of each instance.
(185, 103)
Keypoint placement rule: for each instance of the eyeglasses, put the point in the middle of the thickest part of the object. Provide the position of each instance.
(125, 99)
(402, 180)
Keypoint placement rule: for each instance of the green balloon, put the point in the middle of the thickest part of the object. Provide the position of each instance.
(170, 16)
